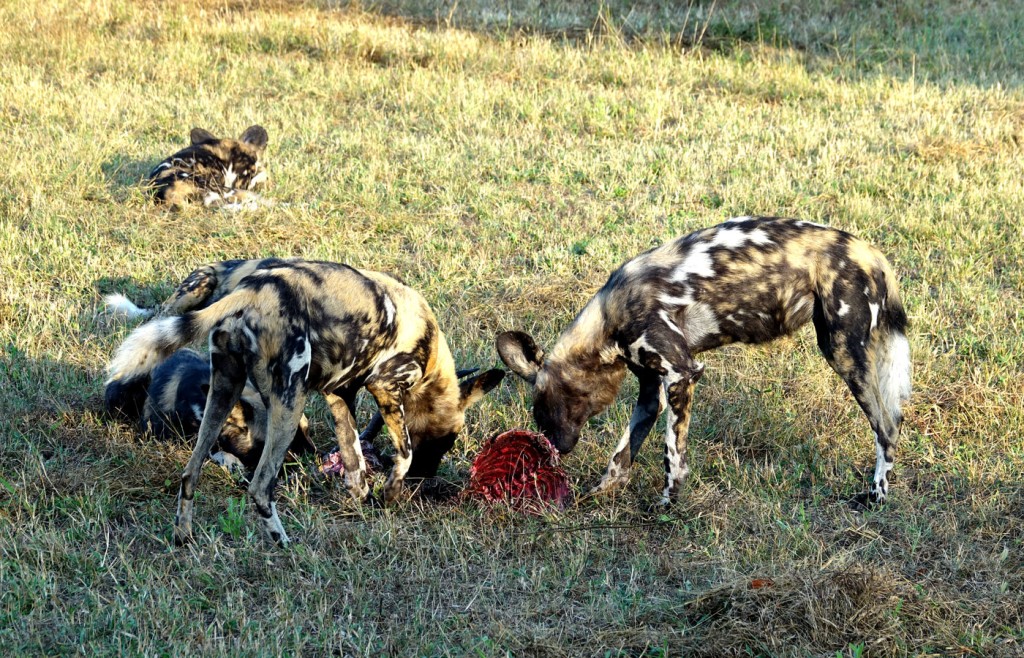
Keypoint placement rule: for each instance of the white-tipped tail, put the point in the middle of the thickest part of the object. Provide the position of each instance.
(145, 349)
(120, 306)
(894, 373)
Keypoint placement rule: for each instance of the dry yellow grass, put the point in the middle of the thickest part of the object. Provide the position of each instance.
(504, 163)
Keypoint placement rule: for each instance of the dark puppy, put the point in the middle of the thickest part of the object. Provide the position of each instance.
(176, 400)
(216, 172)
(749, 280)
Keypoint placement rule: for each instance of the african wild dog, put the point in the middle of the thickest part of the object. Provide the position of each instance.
(291, 327)
(208, 284)
(218, 172)
(170, 403)
(747, 280)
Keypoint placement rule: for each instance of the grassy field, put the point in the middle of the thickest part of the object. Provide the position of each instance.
(503, 162)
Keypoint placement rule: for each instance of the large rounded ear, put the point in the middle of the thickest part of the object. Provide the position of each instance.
(198, 136)
(471, 390)
(520, 354)
(255, 135)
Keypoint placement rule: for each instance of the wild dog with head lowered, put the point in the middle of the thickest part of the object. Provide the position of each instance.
(748, 280)
(291, 327)
(214, 171)
(131, 397)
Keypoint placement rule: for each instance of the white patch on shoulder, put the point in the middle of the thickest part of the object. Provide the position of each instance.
(729, 237)
(197, 412)
(685, 300)
(844, 308)
(700, 321)
(642, 344)
(697, 262)
(874, 315)
(300, 360)
(389, 308)
(230, 176)
(733, 237)
(671, 325)
(867, 291)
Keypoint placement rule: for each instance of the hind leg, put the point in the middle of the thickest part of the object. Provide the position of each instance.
(281, 377)
(852, 349)
(226, 383)
(284, 413)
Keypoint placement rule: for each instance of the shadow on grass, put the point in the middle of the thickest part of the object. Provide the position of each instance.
(127, 176)
(947, 41)
(146, 295)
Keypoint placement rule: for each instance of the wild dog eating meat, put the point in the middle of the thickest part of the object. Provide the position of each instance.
(748, 280)
(291, 327)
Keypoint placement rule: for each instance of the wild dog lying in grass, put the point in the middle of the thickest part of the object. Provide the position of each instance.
(291, 327)
(218, 172)
(747, 280)
(170, 403)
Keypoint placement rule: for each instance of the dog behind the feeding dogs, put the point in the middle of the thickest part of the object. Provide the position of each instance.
(214, 171)
(748, 280)
(292, 327)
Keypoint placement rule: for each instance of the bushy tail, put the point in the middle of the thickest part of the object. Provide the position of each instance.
(893, 366)
(129, 372)
(119, 306)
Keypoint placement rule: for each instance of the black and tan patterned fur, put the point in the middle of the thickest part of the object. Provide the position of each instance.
(172, 403)
(221, 172)
(747, 280)
(291, 327)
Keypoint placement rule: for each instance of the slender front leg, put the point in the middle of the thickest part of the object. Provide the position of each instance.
(680, 399)
(348, 446)
(649, 405)
(227, 379)
(390, 402)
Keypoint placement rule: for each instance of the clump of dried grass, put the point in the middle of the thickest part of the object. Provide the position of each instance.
(828, 609)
